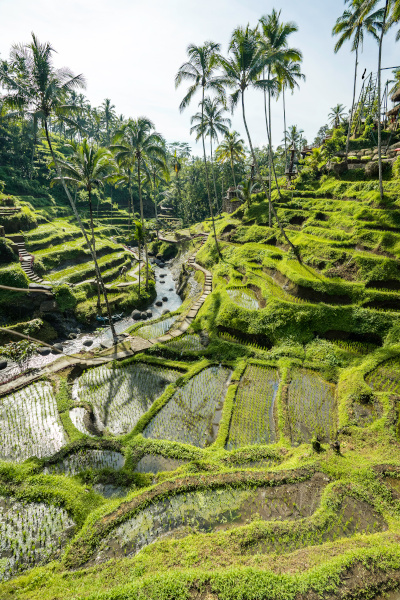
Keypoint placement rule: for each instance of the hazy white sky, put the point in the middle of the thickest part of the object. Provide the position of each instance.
(130, 50)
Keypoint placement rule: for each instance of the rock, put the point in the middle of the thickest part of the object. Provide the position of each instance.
(48, 306)
(3, 364)
(161, 265)
(143, 316)
(136, 315)
(165, 299)
(38, 286)
(43, 351)
(166, 312)
(72, 336)
(57, 347)
(162, 281)
(163, 274)
(171, 289)
(149, 313)
(88, 342)
(158, 303)
(338, 168)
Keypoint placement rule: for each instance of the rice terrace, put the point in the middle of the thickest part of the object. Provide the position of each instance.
(200, 300)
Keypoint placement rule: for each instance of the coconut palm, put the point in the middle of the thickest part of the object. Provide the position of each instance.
(288, 78)
(137, 140)
(42, 90)
(125, 177)
(211, 123)
(274, 43)
(351, 26)
(246, 189)
(242, 71)
(139, 237)
(294, 136)
(231, 149)
(87, 168)
(199, 70)
(337, 115)
(108, 116)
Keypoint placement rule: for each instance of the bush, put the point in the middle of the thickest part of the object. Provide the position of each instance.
(65, 297)
(7, 254)
(13, 276)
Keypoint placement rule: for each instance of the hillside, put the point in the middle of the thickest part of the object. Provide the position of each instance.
(245, 445)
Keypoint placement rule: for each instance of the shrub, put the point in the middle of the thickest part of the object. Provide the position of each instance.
(65, 297)
(7, 254)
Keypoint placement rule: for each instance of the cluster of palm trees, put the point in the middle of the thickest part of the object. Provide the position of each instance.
(42, 91)
(362, 17)
(258, 57)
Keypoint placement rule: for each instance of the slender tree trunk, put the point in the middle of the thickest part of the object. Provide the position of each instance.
(233, 172)
(154, 195)
(284, 123)
(352, 105)
(139, 265)
(269, 154)
(379, 101)
(72, 203)
(207, 181)
(94, 245)
(213, 174)
(295, 250)
(142, 220)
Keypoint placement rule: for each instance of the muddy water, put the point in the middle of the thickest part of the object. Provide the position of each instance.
(211, 510)
(165, 287)
(154, 463)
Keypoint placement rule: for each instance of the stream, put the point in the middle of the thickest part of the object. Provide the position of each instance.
(166, 286)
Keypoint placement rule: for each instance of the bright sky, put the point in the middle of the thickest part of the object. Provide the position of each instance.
(130, 51)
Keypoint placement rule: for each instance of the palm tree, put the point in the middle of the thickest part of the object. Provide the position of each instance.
(43, 92)
(125, 177)
(242, 71)
(294, 136)
(246, 189)
(199, 70)
(278, 55)
(337, 115)
(211, 123)
(351, 26)
(87, 168)
(231, 148)
(108, 116)
(138, 140)
(289, 78)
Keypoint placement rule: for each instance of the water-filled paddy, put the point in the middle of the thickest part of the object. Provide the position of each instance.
(386, 377)
(253, 412)
(30, 424)
(312, 407)
(154, 463)
(155, 330)
(192, 415)
(87, 459)
(30, 534)
(244, 298)
(186, 343)
(212, 510)
(121, 395)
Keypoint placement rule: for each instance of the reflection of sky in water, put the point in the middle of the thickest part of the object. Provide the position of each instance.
(163, 288)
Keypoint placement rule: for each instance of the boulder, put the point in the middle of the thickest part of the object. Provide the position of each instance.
(162, 274)
(171, 289)
(3, 364)
(143, 316)
(43, 351)
(48, 306)
(165, 299)
(166, 312)
(57, 347)
(149, 313)
(136, 315)
(88, 342)
(158, 303)
(72, 336)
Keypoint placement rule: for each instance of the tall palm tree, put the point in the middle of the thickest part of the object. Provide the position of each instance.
(337, 115)
(157, 174)
(351, 26)
(108, 116)
(87, 168)
(242, 71)
(199, 70)
(231, 148)
(274, 43)
(211, 123)
(139, 237)
(43, 93)
(138, 140)
(288, 78)
(246, 189)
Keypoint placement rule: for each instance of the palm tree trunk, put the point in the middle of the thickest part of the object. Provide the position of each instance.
(269, 153)
(72, 203)
(284, 123)
(94, 245)
(154, 195)
(207, 181)
(379, 101)
(142, 220)
(295, 250)
(139, 266)
(233, 171)
(213, 174)
(352, 105)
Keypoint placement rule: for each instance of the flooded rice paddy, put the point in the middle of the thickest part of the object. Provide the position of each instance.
(87, 459)
(244, 298)
(30, 534)
(193, 414)
(155, 463)
(121, 395)
(155, 330)
(30, 424)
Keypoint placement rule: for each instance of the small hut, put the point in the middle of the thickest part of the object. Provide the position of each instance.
(394, 113)
(231, 201)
